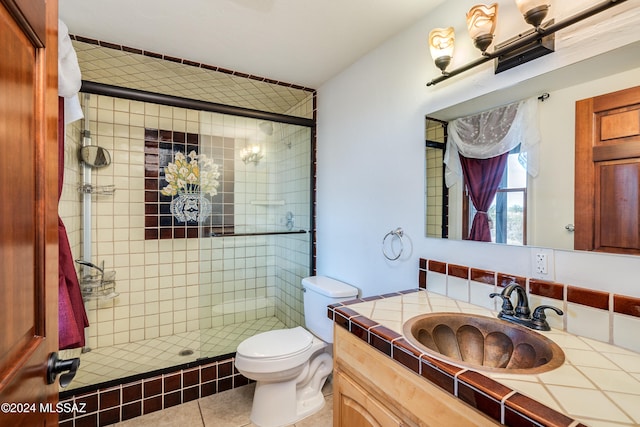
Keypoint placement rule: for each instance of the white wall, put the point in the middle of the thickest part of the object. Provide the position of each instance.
(371, 155)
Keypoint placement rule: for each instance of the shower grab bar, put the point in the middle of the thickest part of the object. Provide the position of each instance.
(263, 233)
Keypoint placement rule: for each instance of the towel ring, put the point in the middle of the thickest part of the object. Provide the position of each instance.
(398, 232)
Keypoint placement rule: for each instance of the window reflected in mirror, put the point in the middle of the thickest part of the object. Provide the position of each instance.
(508, 211)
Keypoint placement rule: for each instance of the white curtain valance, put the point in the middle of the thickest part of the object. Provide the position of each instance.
(491, 133)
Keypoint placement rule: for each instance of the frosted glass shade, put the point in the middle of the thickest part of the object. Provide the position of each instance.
(481, 20)
(441, 42)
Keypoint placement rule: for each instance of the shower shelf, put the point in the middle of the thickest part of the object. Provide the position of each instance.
(103, 190)
(263, 233)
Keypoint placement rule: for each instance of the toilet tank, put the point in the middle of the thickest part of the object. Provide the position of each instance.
(319, 292)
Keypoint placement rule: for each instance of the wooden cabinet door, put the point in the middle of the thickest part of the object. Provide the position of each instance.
(607, 196)
(28, 210)
(353, 407)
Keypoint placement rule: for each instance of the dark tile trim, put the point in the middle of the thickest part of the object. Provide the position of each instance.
(407, 355)
(505, 280)
(519, 408)
(588, 297)
(381, 338)
(437, 266)
(437, 376)
(360, 327)
(483, 276)
(422, 279)
(547, 289)
(112, 404)
(458, 271)
(484, 397)
(626, 305)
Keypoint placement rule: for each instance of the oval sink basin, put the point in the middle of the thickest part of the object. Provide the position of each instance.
(483, 343)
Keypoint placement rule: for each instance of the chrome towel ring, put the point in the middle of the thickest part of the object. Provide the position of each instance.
(397, 234)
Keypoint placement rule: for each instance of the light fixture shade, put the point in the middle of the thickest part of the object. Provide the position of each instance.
(481, 22)
(441, 42)
(534, 11)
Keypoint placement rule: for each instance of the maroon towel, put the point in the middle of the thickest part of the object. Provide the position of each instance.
(72, 316)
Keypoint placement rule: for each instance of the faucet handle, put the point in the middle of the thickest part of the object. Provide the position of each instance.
(507, 307)
(539, 318)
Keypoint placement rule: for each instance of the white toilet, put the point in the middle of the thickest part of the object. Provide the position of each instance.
(290, 366)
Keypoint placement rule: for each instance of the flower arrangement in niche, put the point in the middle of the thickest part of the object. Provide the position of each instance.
(190, 177)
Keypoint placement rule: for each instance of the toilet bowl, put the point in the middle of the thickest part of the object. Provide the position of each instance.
(290, 366)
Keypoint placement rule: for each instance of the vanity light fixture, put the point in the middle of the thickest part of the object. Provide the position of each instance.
(481, 23)
(539, 41)
(251, 154)
(441, 42)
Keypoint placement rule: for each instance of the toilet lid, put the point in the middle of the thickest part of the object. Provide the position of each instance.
(277, 343)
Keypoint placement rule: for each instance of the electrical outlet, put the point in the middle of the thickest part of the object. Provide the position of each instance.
(541, 263)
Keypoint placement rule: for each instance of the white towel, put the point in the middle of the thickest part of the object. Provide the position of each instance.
(69, 77)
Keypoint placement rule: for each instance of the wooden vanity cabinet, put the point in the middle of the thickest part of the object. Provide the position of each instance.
(370, 389)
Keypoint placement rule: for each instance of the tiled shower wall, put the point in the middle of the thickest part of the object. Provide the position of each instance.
(177, 285)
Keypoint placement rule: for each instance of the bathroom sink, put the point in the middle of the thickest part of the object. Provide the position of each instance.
(483, 343)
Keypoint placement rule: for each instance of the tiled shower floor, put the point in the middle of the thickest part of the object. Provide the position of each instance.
(123, 360)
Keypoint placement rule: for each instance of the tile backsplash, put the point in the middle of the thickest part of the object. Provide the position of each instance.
(594, 314)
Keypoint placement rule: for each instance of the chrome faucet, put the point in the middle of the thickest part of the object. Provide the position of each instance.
(522, 313)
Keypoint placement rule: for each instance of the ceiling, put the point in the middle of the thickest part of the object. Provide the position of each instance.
(304, 42)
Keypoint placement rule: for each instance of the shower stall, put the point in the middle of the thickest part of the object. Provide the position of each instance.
(202, 222)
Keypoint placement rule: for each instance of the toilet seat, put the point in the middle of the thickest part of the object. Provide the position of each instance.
(276, 344)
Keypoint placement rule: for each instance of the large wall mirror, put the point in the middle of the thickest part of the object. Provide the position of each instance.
(528, 210)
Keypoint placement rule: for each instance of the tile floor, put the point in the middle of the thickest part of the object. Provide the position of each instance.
(227, 409)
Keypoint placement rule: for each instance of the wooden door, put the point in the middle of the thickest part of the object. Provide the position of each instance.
(607, 196)
(28, 210)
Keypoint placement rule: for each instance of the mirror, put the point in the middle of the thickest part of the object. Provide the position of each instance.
(549, 213)
(94, 156)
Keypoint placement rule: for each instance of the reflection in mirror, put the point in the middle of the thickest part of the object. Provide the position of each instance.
(550, 195)
(507, 213)
(437, 197)
(94, 156)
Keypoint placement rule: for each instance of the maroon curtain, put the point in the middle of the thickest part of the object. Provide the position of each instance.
(482, 177)
(72, 317)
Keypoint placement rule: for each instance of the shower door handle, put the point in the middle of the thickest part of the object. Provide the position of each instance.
(57, 366)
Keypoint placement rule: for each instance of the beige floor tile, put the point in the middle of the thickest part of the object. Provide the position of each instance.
(228, 409)
(231, 408)
(322, 418)
(187, 414)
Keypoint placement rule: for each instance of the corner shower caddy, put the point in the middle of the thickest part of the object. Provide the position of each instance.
(95, 282)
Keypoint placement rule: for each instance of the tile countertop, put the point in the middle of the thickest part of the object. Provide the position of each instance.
(598, 385)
